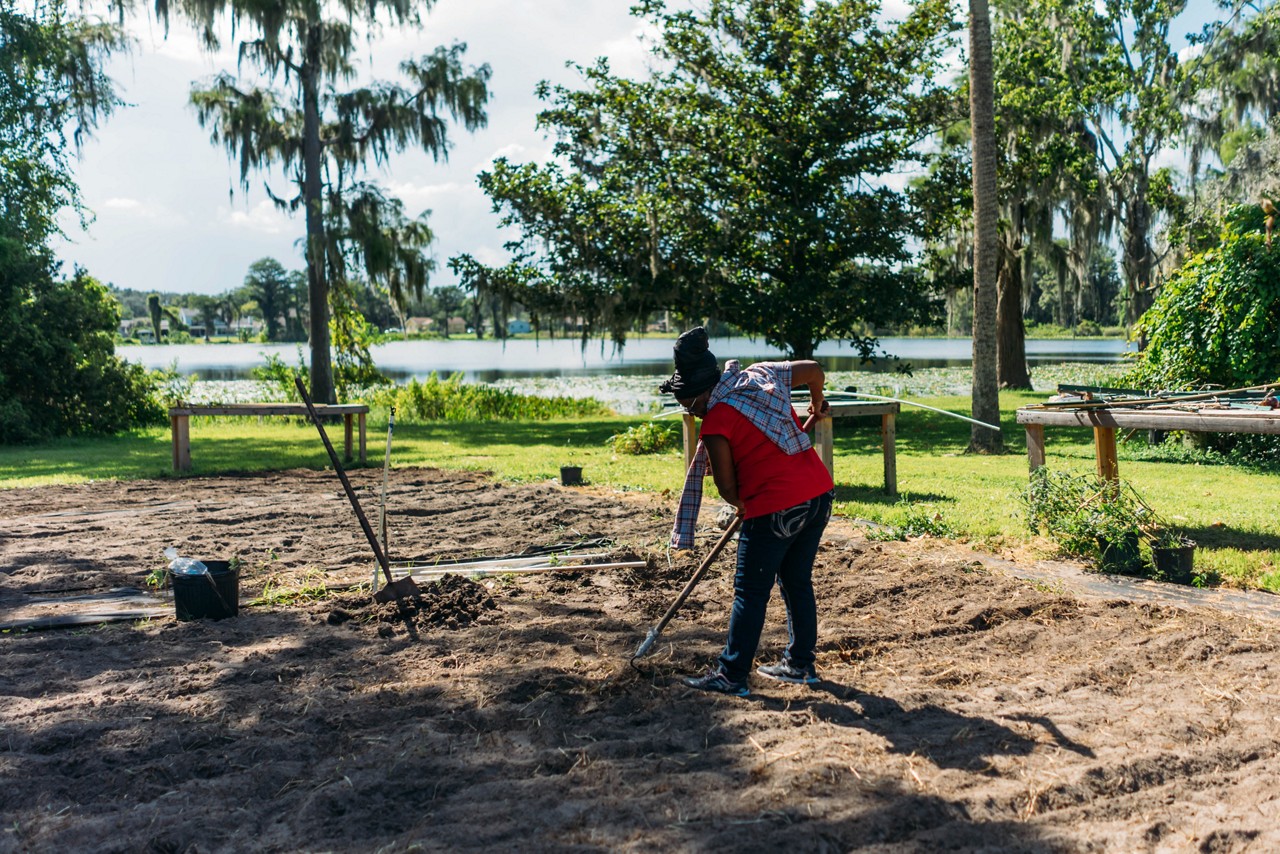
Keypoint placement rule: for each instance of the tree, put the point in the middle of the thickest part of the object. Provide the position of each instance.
(986, 390)
(59, 374)
(324, 137)
(448, 302)
(743, 182)
(267, 283)
(207, 308)
(1215, 320)
(156, 313)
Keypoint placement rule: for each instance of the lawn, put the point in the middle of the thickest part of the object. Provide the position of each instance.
(1228, 509)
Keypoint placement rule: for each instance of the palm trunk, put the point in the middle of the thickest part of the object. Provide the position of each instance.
(1011, 353)
(1138, 265)
(322, 388)
(1011, 332)
(986, 390)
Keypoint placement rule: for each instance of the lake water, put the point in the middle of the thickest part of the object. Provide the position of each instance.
(490, 361)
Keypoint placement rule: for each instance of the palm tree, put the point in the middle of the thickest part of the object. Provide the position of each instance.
(324, 137)
(986, 389)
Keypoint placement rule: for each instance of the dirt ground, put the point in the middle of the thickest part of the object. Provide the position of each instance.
(962, 708)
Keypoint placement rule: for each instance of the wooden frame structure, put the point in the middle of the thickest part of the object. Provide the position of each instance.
(824, 435)
(1106, 421)
(180, 422)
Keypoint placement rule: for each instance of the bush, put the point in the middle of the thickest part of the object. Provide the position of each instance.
(647, 438)
(1215, 320)
(454, 400)
(59, 375)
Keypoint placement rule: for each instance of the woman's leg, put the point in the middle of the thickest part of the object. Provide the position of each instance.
(760, 553)
(795, 577)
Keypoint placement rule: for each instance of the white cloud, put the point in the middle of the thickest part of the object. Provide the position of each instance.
(139, 209)
(263, 218)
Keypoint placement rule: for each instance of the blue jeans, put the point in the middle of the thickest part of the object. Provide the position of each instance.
(778, 546)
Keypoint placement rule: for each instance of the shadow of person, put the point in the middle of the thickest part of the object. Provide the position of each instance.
(945, 737)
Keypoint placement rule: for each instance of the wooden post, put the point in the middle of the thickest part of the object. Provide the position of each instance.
(180, 429)
(362, 429)
(346, 436)
(1035, 445)
(690, 432)
(889, 441)
(1104, 445)
(824, 439)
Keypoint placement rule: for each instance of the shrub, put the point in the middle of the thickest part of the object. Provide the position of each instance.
(59, 375)
(647, 438)
(1215, 320)
(454, 400)
(919, 520)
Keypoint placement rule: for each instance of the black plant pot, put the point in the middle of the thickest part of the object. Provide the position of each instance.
(1174, 563)
(1121, 555)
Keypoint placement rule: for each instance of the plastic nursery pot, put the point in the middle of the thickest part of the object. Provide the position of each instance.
(213, 596)
(1174, 563)
(1121, 555)
(570, 475)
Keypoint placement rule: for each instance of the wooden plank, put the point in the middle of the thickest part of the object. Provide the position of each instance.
(1222, 421)
(362, 417)
(268, 409)
(1104, 446)
(689, 429)
(181, 429)
(824, 440)
(346, 436)
(1035, 446)
(889, 442)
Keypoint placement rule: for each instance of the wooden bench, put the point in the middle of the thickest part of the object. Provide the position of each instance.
(824, 435)
(180, 422)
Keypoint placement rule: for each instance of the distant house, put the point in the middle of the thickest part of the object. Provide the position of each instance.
(457, 325)
(417, 325)
(518, 327)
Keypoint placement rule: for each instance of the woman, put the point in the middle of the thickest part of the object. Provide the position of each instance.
(764, 465)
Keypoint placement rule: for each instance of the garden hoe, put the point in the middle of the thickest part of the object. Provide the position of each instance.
(395, 590)
(652, 638)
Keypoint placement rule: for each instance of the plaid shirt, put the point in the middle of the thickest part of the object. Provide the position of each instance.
(762, 393)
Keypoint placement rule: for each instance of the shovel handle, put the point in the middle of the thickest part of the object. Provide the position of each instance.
(346, 484)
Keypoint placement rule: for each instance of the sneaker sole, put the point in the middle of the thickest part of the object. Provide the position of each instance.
(814, 680)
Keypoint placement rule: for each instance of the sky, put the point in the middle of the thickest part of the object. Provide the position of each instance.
(160, 192)
(170, 214)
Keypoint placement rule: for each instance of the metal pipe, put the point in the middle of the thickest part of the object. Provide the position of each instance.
(913, 403)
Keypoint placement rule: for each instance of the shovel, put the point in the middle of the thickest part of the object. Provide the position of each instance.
(652, 638)
(396, 590)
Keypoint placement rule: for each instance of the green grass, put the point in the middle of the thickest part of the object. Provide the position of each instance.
(1229, 510)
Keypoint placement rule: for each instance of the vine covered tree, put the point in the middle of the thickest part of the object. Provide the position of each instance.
(325, 137)
(742, 182)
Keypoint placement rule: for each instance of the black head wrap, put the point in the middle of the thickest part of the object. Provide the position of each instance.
(696, 369)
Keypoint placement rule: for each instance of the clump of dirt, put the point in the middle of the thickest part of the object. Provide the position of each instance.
(452, 602)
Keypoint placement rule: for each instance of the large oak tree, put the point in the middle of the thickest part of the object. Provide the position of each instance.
(745, 180)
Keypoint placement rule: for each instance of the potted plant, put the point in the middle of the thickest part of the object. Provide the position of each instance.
(1173, 556)
(1090, 518)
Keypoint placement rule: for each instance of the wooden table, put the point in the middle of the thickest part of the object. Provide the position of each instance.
(823, 435)
(1105, 422)
(180, 422)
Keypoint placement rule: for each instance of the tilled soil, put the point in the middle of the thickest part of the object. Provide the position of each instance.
(962, 708)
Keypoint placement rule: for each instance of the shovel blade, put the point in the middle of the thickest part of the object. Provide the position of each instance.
(404, 587)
